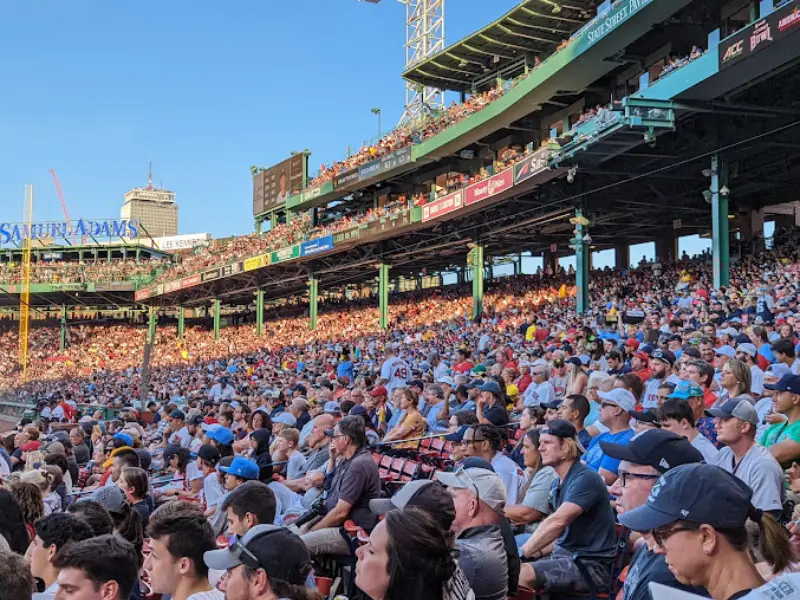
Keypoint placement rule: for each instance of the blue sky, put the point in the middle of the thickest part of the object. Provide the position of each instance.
(92, 89)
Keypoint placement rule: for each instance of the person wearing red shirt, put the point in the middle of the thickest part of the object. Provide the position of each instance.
(525, 378)
(463, 364)
(640, 366)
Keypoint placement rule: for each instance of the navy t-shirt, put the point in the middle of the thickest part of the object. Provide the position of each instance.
(647, 566)
(593, 534)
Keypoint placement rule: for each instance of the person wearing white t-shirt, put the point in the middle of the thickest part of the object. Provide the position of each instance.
(677, 416)
(484, 441)
(178, 539)
(212, 493)
(661, 362)
(540, 390)
(747, 354)
(395, 370)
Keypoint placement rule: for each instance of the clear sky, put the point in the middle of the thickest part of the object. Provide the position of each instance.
(92, 89)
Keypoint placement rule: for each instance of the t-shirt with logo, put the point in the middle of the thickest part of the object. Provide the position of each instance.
(647, 566)
(396, 371)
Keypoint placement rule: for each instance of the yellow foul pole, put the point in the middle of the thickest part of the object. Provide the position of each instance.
(25, 292)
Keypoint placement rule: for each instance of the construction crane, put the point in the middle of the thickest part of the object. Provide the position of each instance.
(424, 38)
(61, 199)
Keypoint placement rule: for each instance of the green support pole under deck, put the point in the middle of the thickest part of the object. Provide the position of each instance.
(181, 321)
(62, 339)
(383, 295)
(720, 233)
(477, 280)
(259, 312)
(313, 297)
(216, 319)
(152, 317)
(581, 265)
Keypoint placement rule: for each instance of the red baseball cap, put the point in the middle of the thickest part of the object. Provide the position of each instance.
(632, 343)
(378, 390)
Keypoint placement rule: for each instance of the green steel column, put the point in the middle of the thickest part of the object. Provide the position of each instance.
(719, 223)
(62, 340)
(477, 280)
(216, 319)
(258, 223)
(181, 317)
(153, 317)
(383, 295)
(313, 297)
(582, 251)
(259, 311)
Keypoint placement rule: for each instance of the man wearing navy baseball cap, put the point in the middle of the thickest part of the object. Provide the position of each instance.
(643, 461)
(783, 439)
(582, 521)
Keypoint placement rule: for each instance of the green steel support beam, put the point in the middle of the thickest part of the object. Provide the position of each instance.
(181, 321)
(216, 319)
(721, 241)
(582, 254)
(383, 294)
(152, 318)
(62, 338)
(477, 280)
(258, 223)
(313, 297)
(259, 311)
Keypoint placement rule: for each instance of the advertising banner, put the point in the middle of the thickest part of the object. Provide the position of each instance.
(172, 286)
(210, 275)
(369, 170)
(387, 223)
(312, 193)
(52, 256)
(346, 178)
(256, 262)
(272, 186)
(348, 235)
(398, 158)
(190, 281)
(533, 165)
(442, 206)
(316, 246)
(283, 254)
(159, 290)
(232, 269)
(111, 286)
(142, 294)
(777, 25)
(489, 187)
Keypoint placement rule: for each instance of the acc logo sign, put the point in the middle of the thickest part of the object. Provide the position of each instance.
(733, 51)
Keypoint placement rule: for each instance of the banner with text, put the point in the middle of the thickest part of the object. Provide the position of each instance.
(442, 206)
(191, 281)
(532, 165)
(285, 254)
(489, 187)
(323, 244)
(256, 262)
(775, 26)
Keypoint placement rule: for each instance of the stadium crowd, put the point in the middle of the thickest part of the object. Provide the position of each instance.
(98, 271)
(653, 440)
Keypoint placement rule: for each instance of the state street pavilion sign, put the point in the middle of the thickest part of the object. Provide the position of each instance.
(49, 232)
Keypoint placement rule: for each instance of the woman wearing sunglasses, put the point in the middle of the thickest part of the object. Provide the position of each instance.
(696, 515)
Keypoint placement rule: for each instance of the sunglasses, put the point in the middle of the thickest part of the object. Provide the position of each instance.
(662, 534)
(242, 554)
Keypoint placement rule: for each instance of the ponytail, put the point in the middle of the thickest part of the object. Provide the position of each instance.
(776, 547)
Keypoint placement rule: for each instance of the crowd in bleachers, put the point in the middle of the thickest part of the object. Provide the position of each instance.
(101, 270)
(576, 455)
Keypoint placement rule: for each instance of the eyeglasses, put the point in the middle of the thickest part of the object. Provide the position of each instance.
(462, 471)
(607, 404)
(662, 534)
(465, 442)
(625, 477)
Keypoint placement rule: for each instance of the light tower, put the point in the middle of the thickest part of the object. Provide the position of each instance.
(424, 38)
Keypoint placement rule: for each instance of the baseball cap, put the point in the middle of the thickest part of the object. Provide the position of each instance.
(748, 349)
(378, 390)
(787, 383)
(196, 420)
(697, 492)
(447, 380)
(741, 409)
(725, 351)
(491, 386)
(778, 370)
(299, 388)
(286, 418)
(619, 397)
(642, 355)
(332, 407)
(457, 435)
(222, 435)
(170, 451)
(430, 496)
(242, 467)
(563, 429)
(487, 484)
(177, 414)
(124, 437)
(646, 416)
(281, 553)
(664, 355)
(685, 390)
(574, 360)
(210, 426)
(657, 448)
(555, 404)
(208, 453)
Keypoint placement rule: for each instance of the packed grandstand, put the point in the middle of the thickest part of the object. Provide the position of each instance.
(262, 418)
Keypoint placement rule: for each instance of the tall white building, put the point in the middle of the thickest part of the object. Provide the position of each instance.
(154, 209)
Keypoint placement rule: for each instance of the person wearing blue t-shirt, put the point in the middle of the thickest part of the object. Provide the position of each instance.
(615, 409)
(345, 368)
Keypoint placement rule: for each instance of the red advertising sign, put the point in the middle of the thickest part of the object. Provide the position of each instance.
(442, 206)
(490, 187)
(190, 281)
(142, 294)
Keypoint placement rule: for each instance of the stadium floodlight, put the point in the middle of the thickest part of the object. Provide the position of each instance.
(707, 196)
(724, 191)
